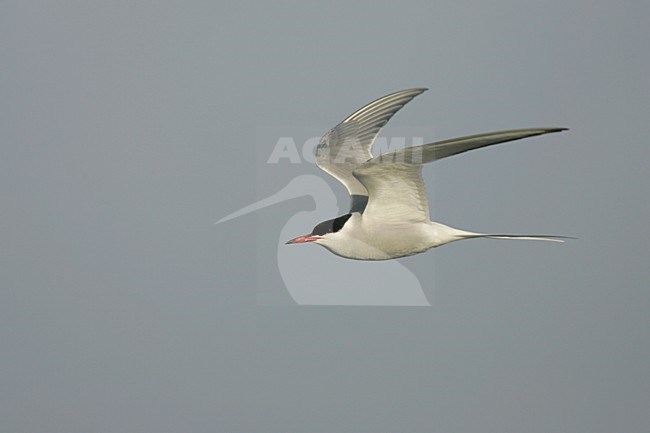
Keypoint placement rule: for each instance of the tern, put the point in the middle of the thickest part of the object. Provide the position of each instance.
(389, 213)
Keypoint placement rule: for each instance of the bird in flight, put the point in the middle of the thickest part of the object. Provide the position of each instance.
(389, 213)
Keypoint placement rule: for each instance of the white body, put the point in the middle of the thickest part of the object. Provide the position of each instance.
(364, 238)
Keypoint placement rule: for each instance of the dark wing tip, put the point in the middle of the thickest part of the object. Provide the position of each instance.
(542, 131)
(417, 90)
(420, 89)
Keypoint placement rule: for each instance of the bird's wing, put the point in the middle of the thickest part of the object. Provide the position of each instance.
(443, 149)
(394, 180)
(347, 145)
(396, 192)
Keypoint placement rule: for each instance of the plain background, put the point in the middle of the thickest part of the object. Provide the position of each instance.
(128, 128)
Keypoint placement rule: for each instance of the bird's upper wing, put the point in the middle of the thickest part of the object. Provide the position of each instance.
(347, 145)
(394, 180)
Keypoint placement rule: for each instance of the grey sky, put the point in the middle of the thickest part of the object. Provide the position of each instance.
(128, 128)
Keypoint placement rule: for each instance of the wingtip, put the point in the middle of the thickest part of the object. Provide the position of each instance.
(417, 90)
(414, 91)
(551, 130)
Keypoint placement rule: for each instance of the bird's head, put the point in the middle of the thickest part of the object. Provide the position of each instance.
(322, 231)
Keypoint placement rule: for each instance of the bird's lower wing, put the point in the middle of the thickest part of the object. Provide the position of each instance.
(396, 192)
(394, 180)
(443, 149)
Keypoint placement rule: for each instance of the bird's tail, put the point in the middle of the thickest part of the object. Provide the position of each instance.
(549, 238)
